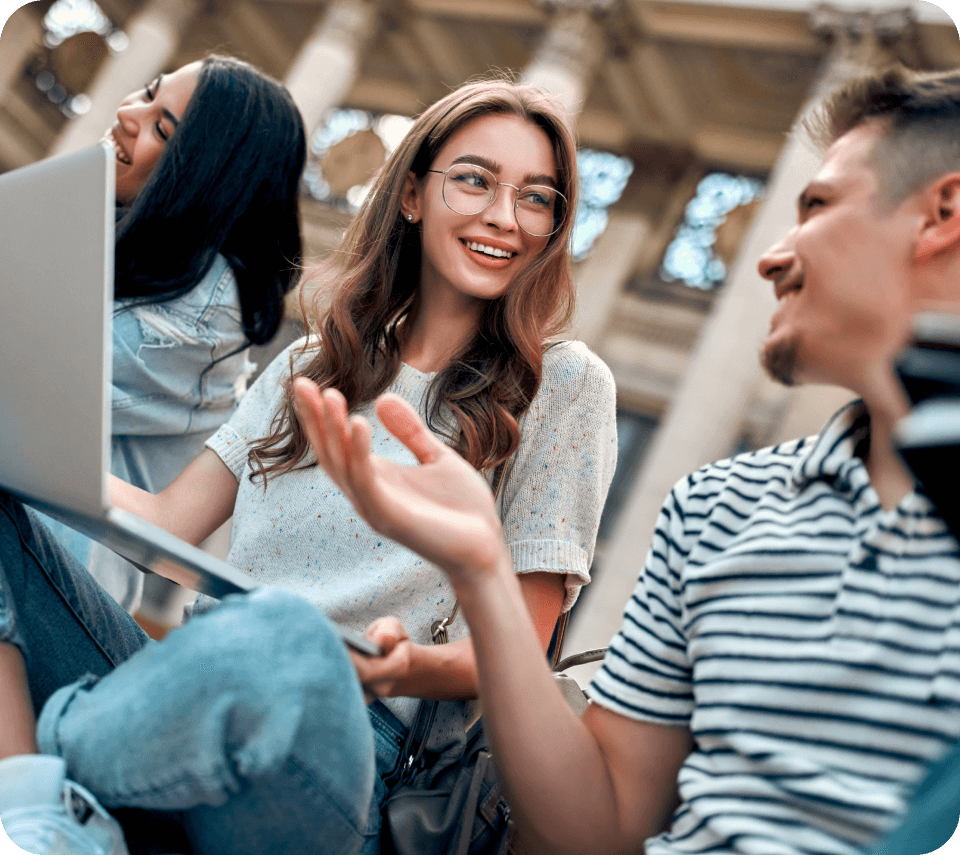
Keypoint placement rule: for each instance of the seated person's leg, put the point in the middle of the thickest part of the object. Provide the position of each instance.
(249, 718)
(53, 612)
(56, 625)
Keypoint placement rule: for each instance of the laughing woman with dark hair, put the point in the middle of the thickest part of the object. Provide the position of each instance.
(209, 160)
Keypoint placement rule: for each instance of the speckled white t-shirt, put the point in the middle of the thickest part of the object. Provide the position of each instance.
(303, 535)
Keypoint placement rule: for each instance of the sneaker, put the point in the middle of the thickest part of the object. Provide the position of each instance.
(45, 814)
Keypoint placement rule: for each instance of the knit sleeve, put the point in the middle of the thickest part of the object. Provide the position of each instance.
(253, 417)
(558, 483)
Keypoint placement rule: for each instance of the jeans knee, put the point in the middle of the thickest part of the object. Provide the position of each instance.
(257, 685)
(276, 623)
(276, 654)
(275, 608)
(266, 641)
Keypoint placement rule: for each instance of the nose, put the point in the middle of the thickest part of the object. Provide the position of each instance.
(128, 115)
(776, 261)
(501, 212)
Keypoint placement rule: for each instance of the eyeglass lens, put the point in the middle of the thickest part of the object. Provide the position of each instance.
(468, 189)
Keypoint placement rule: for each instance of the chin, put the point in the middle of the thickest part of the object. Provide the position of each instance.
(779, 360)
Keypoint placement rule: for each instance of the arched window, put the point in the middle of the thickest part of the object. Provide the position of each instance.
(77, 35)
(690, 257)
(66, 18)
(603, 177)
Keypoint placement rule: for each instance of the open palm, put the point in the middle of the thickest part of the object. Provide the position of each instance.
(442, 509)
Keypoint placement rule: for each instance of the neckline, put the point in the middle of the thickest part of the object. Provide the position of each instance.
(409, 369)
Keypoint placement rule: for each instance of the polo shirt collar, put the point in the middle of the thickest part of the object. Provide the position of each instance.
(832, 456)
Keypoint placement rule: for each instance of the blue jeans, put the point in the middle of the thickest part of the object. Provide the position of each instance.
(248, 723)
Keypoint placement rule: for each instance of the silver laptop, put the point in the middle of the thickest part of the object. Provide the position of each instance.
(57, 225)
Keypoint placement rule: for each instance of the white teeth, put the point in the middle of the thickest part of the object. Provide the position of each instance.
(119, 151)
(490, 250)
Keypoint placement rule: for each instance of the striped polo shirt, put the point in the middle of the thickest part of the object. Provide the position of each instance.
(808, 638)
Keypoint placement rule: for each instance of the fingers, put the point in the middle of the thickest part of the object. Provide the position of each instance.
(336, 438)
(388, 632)
(323, 417)
(361, 460)
(402, 420)
(378, 674)
(311, 409)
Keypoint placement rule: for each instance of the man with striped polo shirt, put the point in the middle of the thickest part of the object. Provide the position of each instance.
(790, 660)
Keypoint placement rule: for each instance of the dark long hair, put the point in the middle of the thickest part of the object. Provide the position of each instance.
(226, 183)
(492, 381)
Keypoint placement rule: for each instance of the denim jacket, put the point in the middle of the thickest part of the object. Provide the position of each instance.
(168, 396)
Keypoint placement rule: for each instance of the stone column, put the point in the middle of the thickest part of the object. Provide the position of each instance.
(154, 35)
(569, 54)
(319, 79)
(324, 70)
(600, 277)
(564, 66)
(705, 417)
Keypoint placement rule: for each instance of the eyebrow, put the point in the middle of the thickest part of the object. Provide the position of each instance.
(496, 169)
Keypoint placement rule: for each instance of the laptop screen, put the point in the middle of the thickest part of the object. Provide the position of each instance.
(56, 284)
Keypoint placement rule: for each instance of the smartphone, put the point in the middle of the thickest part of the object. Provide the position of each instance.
(357, 641)
(930, 366)
(928, 438)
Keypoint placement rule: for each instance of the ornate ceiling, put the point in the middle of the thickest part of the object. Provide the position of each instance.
(720, 83)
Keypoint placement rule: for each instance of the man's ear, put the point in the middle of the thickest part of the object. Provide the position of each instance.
(941, 227)
(410, 199)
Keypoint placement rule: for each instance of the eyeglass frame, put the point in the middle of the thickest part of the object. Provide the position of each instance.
(493, 198)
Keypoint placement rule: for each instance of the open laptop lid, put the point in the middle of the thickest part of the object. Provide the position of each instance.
(57, 225)
(56, 282)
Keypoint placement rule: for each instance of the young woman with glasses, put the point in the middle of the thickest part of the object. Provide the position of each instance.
(448, 285)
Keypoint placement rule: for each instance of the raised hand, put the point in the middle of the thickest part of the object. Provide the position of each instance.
(442, 509)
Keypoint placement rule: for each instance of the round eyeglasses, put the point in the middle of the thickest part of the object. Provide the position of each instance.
(469, 189)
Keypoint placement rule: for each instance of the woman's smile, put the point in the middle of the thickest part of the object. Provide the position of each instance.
(489, 255)
(492, 251)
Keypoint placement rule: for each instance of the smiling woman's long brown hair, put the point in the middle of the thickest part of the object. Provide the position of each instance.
(491, 382)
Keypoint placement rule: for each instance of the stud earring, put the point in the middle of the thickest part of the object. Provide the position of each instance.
(410, 217)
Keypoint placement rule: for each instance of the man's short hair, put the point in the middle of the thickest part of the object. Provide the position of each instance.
(921, 112)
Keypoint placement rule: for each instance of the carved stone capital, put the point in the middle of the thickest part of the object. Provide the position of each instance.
(595, 6)
(868, 39)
